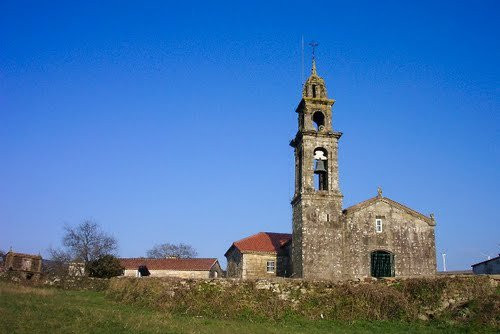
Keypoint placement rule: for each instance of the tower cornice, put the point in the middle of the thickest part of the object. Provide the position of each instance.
(311, 102)
(318, 134)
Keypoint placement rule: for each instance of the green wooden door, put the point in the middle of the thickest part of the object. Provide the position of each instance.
(382, 264)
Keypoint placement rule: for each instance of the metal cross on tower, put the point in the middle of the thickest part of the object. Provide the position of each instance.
(313, 44)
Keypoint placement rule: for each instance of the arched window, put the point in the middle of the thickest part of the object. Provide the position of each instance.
(319, 120)
(320, 169)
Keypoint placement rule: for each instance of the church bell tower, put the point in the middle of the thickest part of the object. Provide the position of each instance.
(317, 202)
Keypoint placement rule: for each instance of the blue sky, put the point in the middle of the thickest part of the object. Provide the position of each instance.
(170, 122)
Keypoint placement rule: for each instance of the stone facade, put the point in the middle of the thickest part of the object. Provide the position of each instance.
(406, 234)
(317, 205)
(377, 237)
(234, 263)
(250, 265)
(28, 265)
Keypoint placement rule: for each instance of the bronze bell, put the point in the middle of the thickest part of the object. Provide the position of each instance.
(320, 167)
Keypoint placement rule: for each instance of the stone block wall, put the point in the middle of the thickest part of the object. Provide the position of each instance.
(255, 265)
(234, 263)
(409, 238)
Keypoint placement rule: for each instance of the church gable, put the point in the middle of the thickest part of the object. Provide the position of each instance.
(379, 227)
(380, 201)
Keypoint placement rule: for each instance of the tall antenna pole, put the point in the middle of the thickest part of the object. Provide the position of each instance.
(444, 261)
(302, 61)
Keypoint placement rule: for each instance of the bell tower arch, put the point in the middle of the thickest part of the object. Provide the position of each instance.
(317, 202)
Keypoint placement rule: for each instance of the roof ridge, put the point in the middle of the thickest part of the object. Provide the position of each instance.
(250, 236)
(277, 233)
(387, 199)
(408, 208)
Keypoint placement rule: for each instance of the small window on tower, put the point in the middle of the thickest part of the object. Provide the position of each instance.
(378, 225)
(314, 90)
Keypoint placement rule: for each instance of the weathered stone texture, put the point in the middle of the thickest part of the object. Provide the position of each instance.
(255, 265)
(234, 263)
(316, 212)
(252, 265)
(329, 243)
(408, 237)
(27, 265)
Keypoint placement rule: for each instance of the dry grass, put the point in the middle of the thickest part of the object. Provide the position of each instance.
(14, 289)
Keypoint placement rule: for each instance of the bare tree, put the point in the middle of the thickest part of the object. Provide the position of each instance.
(58, 263)
(85, 242)
(170, 250)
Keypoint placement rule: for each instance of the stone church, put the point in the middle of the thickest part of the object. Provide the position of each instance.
(378, 237)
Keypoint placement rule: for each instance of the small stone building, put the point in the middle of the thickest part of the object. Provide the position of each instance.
(171, 267)
(27, 265)
(488, 267)
(264, 254)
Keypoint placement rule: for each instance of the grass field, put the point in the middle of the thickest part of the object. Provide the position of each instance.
(40, 310)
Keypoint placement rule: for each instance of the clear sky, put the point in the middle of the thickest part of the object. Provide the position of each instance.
(170, 122)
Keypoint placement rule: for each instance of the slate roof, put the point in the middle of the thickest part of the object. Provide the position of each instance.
(266, 242)
(485, 261)
(389, 201)
(195, 264)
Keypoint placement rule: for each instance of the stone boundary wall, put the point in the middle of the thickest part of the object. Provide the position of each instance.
(458, 298)
(60, 282)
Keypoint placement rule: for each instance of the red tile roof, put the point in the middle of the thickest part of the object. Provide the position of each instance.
(262, 242)
(196, 264)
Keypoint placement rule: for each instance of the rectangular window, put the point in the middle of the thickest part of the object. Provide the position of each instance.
(378, 225)
(271, 266)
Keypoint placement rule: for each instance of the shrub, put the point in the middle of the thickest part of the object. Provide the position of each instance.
(106, 266)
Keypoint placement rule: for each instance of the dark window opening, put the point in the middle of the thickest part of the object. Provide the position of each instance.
(314, 90)
(319, 120)
(143, 271)
(320, 181)
(382, 264)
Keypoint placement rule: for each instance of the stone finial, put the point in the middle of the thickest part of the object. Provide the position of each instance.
(313, 68)
(379, 191)
(432, 216)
